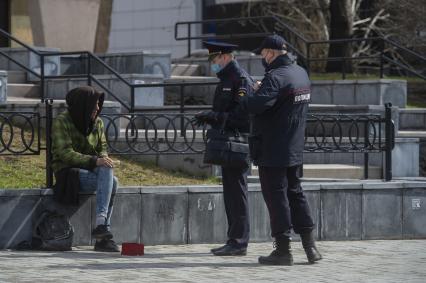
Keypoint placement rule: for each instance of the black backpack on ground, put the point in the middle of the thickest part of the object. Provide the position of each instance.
(52, 232)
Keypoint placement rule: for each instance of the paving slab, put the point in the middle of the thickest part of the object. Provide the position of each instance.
(344, 261)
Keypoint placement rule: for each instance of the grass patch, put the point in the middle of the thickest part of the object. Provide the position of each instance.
(416, 104)
(131, 172)
(29, 172)
(22, 171)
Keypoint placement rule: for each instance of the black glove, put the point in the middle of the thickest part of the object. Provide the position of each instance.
(197, 122)
(209, 117)
(206, 117)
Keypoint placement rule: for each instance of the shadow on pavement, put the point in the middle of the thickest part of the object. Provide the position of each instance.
(140, 265)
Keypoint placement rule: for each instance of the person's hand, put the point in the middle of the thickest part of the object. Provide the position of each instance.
(201, 118)
(105, 161)
(257, 85)
(197, 122)
(208, 117)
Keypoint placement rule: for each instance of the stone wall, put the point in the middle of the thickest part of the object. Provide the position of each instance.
(413, 119)
(195, 214)
(144, 96)
(337, 92)
(360, 92)
(31, 60)
(143, 62)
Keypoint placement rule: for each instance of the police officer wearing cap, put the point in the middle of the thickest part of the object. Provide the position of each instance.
(234, 84)
(279, 108)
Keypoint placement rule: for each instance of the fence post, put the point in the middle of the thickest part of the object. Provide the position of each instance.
(182, 105)
(388, 141)
(132, 109)
(89, 70)
(132, 98)
(49, 117)
(42, 82)
(366, 144)
(189, 39)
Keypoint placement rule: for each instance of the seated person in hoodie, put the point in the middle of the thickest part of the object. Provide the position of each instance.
(80, 160)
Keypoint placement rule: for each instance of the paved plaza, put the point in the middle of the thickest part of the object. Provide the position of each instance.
(348, 261)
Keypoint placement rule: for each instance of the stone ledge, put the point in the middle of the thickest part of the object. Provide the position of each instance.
(342, 186)
(163, 189)
(313, 185)
(383, 185)
(364, 209)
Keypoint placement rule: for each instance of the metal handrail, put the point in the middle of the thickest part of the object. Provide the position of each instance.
(230, 36)
(89, 75)
(403, 67)
(306, 58)
(391, 42)
(11, 37)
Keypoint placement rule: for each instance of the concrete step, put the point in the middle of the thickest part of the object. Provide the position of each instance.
(16, 77)
(412, 119)
(412, 134)
(332, 171)
(186, 70)
(23, 90)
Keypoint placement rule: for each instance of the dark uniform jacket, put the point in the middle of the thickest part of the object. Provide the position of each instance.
(235, 83)
(279, 109)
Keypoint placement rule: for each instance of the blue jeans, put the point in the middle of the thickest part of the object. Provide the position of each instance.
(102, 181)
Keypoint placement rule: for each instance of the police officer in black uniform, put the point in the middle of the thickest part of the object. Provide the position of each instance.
(234, 84)
(279, 108)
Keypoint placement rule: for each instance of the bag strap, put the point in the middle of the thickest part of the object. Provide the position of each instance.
(222, 127)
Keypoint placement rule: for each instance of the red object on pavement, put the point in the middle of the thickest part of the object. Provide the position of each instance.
(132, 249)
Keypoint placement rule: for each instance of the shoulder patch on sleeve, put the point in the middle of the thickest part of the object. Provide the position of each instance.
(242, 93)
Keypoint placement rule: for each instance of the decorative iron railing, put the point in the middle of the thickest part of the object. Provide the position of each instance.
(23, 133)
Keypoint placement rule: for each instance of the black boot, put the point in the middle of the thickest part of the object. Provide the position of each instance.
(311, 250)
(281, 255)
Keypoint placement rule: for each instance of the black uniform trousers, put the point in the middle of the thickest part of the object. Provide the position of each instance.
(286, 202)
(235, 194)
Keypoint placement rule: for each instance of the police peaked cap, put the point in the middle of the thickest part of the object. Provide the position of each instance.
(216, 48)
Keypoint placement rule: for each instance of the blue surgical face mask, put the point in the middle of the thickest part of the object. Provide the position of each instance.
(216, 68)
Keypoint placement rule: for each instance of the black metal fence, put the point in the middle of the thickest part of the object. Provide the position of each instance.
(25, 133)
(23, 140)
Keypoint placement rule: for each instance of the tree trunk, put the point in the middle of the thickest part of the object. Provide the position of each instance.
(341, 23)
